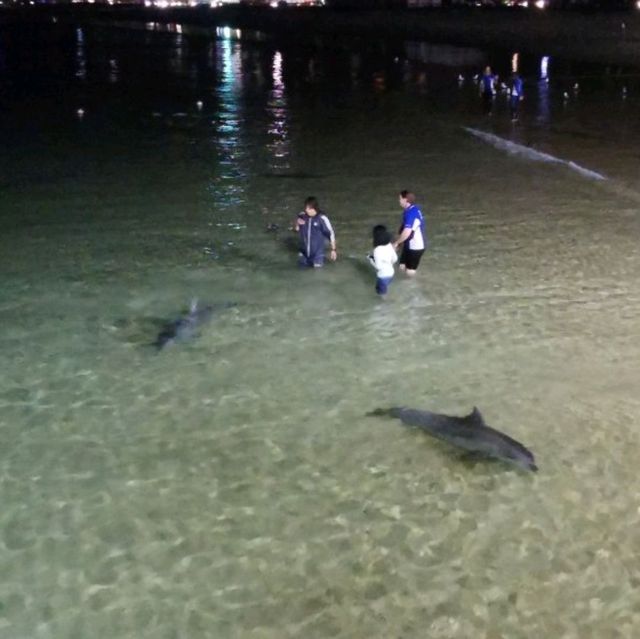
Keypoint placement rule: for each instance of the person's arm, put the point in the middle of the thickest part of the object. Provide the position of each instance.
(376, 258)
(298, 223)
(330, 235)
(403, 237)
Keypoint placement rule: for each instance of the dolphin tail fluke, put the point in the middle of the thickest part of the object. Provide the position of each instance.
(380, 412)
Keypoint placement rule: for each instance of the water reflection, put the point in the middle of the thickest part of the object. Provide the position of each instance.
(177, 59)
(543, 116)
(544, 68)
(279, 144)
(114, 72)
(355, 64)
(515, 62)
(445, 55)
(81, 61)
(2, 55)
(228, 186)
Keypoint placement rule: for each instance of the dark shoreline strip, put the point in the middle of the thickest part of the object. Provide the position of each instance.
(608, 38)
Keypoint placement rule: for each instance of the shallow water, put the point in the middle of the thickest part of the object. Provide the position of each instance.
(234, 486)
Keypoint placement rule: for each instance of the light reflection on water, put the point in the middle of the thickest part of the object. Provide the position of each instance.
(277, 110)
(113, 71)
(235, 486)
(81, 70)
(228, 186)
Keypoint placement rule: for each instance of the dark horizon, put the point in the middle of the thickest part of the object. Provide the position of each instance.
(605, 6)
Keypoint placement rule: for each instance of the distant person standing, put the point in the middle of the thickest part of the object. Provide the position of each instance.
(516, 94)
(488, 82)
(314, 229)
(383, 258)
(412, 233)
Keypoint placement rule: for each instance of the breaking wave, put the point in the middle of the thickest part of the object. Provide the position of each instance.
(531, 154)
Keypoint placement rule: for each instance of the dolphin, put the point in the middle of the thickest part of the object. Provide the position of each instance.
(185, 327)
(469, 433)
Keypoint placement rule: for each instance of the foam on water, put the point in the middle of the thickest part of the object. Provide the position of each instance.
(531, 154)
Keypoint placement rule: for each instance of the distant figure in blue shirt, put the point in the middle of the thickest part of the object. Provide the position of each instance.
(516, 94)
(314, 229)
(488, 81)
(412, 233)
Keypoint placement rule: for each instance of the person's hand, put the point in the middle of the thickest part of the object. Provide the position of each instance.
(333, 255)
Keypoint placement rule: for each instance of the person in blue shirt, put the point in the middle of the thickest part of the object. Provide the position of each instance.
(314, 229)
(412, 233)
(488, 81)
(516, 94)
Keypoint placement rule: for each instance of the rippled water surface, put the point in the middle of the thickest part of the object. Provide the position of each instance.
(234, 486)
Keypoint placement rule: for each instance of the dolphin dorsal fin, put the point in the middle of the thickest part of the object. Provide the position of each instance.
(476, 417)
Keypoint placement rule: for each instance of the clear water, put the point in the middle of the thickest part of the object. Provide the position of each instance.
(234, 486)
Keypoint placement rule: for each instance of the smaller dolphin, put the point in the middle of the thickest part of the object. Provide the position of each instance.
(469, 433)
(185, 327)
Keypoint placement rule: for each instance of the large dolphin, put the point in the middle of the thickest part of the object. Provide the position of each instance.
(469, 433)
(186, 326)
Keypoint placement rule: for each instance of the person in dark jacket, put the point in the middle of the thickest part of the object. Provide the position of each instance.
(314, 229)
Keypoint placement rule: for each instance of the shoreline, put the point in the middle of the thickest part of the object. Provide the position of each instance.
(609, 38)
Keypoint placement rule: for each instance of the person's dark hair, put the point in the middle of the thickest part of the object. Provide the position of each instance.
(408, 196)
(381, 237)
(312, 202)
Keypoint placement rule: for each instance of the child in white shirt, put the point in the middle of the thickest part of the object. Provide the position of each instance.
(383, 258)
